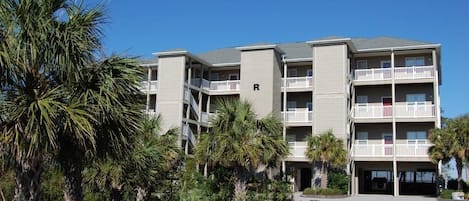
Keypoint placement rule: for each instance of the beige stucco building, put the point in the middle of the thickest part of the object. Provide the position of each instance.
(380, 95)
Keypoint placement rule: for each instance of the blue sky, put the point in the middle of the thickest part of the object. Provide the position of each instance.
(141, 27)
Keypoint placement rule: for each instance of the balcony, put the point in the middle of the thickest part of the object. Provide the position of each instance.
(217, 86)
(300, 115)
(402, 111)
(297, 149)
(206, 117)
(298, 82)
(400, 73)
(385, 150)
(149, 87)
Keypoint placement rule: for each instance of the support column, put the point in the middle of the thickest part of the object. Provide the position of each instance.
(188, 109)
(436, 92)
(394, 162)
(284, 106)
(147, 106)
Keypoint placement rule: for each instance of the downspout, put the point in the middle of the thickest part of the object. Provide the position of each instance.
(284, 108)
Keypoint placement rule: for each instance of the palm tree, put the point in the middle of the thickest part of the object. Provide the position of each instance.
(153, 155)
(451, 141)
(62, 99)
(241, 142)
(328, 151)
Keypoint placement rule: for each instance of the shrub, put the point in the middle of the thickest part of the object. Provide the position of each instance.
(338, 180)
(322, 191)
(446, 193)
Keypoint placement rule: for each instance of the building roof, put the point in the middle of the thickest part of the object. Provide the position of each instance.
(303, 50)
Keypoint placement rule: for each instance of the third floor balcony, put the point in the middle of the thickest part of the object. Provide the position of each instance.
(218, 87)
(400, 73)
(403, 110)
(299, 116)
(149, 87)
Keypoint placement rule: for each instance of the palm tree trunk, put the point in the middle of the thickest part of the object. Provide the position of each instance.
(117, 192)
(459, 166)
(72, 167)
(141, 194)
(27, 180)
(324, 173)
(240, 185)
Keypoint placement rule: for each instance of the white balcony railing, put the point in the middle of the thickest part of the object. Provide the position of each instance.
(298, 82)
(385, 150)
(297, 149)
(227, 85)
(402, 111)
(298, 116)
(410, 111)
(151, 86)
(373, 74)
(186, 131)
(206, 117)
(414, 72)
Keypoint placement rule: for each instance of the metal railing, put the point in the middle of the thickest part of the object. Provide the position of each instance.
(385, 150)
(298, 82)
(402, 111)
(413, 72)
(151, 86)
(297, 149)
(298, 116)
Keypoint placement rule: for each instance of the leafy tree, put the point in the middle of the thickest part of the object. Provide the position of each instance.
(153, 155)
(62, 99)
(328, 151)
(241, 142)
(451, 141)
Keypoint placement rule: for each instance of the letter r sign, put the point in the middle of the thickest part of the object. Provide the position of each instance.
(255, 87)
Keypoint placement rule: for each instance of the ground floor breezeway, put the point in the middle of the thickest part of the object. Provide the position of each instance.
(414, 178)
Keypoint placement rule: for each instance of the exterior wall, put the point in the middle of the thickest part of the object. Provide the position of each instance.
(399, 60)
(402, 128)
(261, 67)
(301, 70)
(403, 90)
(224, 74)
(300, 98)
(170, 91)
(374, 92)
(375, 131)
(300, 133)
(329, 90)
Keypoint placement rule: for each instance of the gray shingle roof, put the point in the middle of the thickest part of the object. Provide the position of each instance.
(383, 42)
(301, 50)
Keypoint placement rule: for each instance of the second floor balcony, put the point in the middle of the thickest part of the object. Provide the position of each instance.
(400, 73)
(217, 86)
(297, 150)
(149, 87)
(386, 150)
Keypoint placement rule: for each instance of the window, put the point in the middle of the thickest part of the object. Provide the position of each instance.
(292, 72)
(233, 76)
(414, 61)
(385, 64)
(415, 101)
(362, 103)
(309, 105)
(362, 64)
(362, 138)
(416, 137)
(214, 77)
(309, 73)
(291, 106)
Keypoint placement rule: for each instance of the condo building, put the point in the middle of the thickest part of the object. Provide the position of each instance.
(379, 95)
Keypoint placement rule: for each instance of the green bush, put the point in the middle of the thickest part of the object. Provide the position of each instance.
(446, 194)
(322, 191)
(338, 180)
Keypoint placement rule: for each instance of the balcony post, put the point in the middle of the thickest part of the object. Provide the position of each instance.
(147, 106)
(394, 162)
(436, 93)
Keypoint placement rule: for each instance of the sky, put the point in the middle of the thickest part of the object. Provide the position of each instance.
(141, 27)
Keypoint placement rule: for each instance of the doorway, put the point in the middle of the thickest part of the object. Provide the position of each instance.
(387, 106)
(305, 178)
